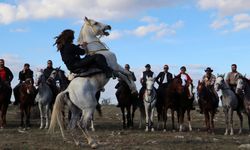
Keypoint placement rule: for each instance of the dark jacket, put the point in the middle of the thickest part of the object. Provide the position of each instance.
(70, 54)
(26, 75)
(9, 74)
(133, 75)
(161, 76)
(47, 72)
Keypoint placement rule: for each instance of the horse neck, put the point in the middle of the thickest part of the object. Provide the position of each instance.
(87, 35)
(100, 80)
(247, 87)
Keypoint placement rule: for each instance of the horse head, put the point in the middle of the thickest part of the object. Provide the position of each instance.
(149, 85)
(39, 77)
(27, 86)
(219, 82)
(177, 84)
(91, 30)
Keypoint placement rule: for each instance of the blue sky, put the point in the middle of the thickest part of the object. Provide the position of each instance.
(194, 33)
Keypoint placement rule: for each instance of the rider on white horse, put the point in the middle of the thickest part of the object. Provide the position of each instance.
(70, 54)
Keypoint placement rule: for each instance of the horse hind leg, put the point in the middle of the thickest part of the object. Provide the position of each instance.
(47, 116)
(41, 115)
(226, 121)
(85, 119)
(189, 120)
(241, 121)
(231, 122)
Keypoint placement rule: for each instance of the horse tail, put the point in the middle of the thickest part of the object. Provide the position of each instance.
(57, 113)
(98, 108)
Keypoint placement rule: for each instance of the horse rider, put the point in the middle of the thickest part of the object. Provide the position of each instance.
(145, 74)
(52, 84)
(6, 76)
(121, 82)
(231, 80)
(70, 54)
(209, 79)
(164, 77)
(184, 76)
(23, 75)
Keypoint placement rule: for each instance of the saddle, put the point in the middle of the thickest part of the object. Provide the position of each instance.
(85, 72)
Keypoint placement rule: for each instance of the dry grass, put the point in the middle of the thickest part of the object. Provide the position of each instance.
(110, 135)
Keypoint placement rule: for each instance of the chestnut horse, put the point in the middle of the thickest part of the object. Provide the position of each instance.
(168, 99)
(207, 102)
(5, 95)
(27, 96)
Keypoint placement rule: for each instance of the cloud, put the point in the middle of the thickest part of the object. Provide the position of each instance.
(153, 28)
(13, 61)
(241, 21)
(219, 23)
(99, 9)
(231, 15)
(19, 30)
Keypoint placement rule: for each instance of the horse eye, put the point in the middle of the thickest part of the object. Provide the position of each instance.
(96, 23)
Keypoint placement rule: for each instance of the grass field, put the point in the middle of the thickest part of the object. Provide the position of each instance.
(110, 135)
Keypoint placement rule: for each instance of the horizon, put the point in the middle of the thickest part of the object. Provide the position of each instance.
(192, 33)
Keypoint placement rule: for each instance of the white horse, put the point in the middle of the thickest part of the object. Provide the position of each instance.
(229, 103)
(82, 90)
(44, 98)
(149, 99)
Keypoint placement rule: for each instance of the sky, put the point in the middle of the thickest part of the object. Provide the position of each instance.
(192, 33)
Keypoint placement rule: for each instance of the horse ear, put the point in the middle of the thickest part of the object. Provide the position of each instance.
(86, 19)
(199, 82)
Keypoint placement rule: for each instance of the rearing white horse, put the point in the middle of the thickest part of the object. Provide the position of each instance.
(81, 91)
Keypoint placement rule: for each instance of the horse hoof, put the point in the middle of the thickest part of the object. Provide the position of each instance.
(164, 130)
(225, 133)
(146, 130)
(152, 130)
(93, 129)
(231, 133)
(240, 132)
(93, 144)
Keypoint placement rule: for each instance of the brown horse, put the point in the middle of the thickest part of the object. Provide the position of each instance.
(168, 99)
(207, 103)
(27, 96)
(5, 95)
(185, 104)
(126, 99)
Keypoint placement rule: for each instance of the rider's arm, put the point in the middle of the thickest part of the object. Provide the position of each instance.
(157, 78)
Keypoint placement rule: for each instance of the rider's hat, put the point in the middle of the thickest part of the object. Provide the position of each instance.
(208, 69)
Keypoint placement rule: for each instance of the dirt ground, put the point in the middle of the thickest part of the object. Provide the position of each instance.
(110, 135)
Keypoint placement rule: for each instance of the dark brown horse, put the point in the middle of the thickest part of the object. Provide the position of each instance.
(5, 95)
(27, 96)
(185, 104)
(126, 100)
(168, 99)
(207, 103)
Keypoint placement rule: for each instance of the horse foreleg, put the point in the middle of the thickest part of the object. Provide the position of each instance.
(212, 121)
(27, 112)
(241, 120)
(206, 115)
(226, 120)
(181, 120)
(152, 119)
(189, 120)
(147, 117)
(85, 119)
(47, 116)
(22, 115)
(231, 121)
(123, 117)
(41, 114)
(128, 117)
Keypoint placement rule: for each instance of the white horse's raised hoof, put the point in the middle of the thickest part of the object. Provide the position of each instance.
(152, 129)
(93, 144)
